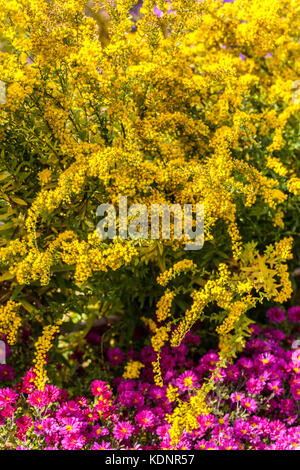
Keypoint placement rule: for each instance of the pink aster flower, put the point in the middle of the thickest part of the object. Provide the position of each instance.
(295, 390)
(123, 430)
(6, 372)
(237, 397)
(163, 431)
(73, 442)
(102, 446)
(39, 399)
(241, 427)
(287, 406)
(266, 359)
(92, 415)
(115, 356)
(53, 393)
(157, 393)
(275, 386)
(49, 426)
(82, 401)
(249, 404)
(70, 426)
(145, 419)
(232, 373)
(294, 314)
(254, 329)
(28, 384)
(206, 421)
(187, 381)
(131, 398)
(23, 423)
(99, 431)
(245, 362)
(8, 411)
(98, 387)
(254, 386)
(275, 315)
(7, 397)
(71, 408)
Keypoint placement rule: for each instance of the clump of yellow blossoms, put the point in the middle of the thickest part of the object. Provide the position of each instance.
(186, 413)
(294, 185)
(164, 305)
(185, 265)
(42, 347)
(10, 321)
(172, 393)
(133, 369)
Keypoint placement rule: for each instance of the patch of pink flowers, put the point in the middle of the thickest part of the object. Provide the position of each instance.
(255, 403)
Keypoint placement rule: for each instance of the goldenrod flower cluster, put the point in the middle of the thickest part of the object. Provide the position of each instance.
(164, 305)
(294, 186)
(133, 370)
(183, 266)
(185, 414)
(172, 393)
(42, 347)
(10, 321)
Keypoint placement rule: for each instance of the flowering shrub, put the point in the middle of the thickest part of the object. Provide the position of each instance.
(254, 404)
(182, 102)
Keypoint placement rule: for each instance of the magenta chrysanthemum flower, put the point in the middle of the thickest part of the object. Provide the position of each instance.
(123, 430)
(187, 380)
(24, 423)
(146, 419)
(294, 314)
(53, 393)
(245, 363)
(275, 315)
(8, 411)
(115, 356)
(39, 399)
(28, 384)
(254, 329)
(99, 387)
(266, 359)
(48, 426)
(73, 442)
(102, 446)
(70, 426)
(7, 397)
(254, 386)
(237, 397)
(249, 404)
(6, 372)
(157, 393)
